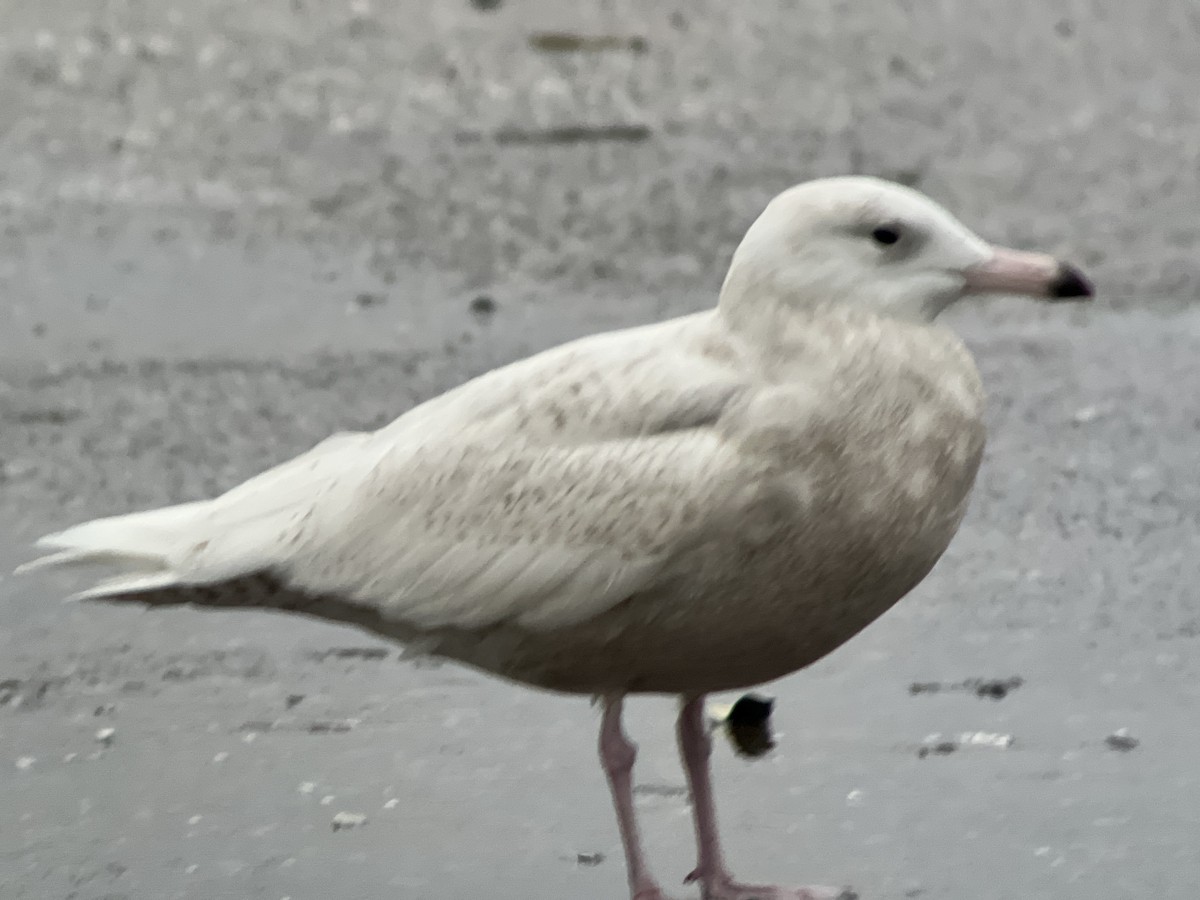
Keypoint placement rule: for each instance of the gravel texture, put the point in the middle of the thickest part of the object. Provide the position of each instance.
(229, 229)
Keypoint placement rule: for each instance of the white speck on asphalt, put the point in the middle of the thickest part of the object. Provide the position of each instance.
(986, 739)
(1086, 414)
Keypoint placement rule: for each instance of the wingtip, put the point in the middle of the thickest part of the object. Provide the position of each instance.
(33, 565)
(53, 541)
(59, 557)
(56, 549)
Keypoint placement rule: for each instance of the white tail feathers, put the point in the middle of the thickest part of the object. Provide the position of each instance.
(126, 585)
(148, 549)
(208, 541)
(141, 535)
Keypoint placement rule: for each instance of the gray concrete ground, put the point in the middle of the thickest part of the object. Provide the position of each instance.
(228, 229)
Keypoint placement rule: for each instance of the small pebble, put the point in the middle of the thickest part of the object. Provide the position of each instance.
(940, 745)
(344, 820)
(367, 299)
(391, 804)
(221, 757)
(1122, 741)
(941, 748)
(106, 736)
(25, 762)
(483, 306)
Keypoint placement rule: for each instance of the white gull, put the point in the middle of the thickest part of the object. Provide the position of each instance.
(698, 505)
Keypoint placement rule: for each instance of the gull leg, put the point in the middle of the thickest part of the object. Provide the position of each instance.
(716, 882)
(617, 754)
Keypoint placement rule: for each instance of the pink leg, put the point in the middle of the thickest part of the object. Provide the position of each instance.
(716, 883)
(617, 754)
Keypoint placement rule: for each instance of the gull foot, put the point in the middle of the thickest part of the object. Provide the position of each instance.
(727, 889)
(650, 893)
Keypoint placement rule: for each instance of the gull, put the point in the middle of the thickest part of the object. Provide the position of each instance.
(698, 505)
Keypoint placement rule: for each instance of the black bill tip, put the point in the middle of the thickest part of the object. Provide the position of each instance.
(1070, 284)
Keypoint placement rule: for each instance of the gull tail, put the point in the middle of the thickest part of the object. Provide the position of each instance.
(229, 551)
(147, 551)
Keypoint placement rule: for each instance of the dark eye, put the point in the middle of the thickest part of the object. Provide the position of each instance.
(886, 235)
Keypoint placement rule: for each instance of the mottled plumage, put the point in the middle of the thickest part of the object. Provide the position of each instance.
(698, 505)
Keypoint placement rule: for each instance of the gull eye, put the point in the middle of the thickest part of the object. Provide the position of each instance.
(886, 235)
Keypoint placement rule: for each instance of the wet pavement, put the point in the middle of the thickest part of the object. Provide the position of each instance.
(227, 230)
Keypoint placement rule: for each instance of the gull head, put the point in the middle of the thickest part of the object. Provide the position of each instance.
(880, 247)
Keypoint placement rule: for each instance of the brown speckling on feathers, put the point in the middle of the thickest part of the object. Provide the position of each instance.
(700, 505)
(696, 505)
